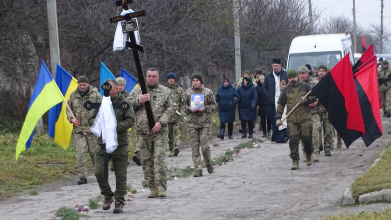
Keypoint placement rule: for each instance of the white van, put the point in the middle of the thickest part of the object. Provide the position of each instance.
(326, 49)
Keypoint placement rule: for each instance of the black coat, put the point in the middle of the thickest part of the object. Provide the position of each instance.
(263, 101)
(248, 102)
(269, 84)
(227, 104)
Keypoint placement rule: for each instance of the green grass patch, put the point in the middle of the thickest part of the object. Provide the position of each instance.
(43, 162)
(376, 178)
(227, 156)
(177, 172)
(216, 145)
(382, 215)
(33, 193)
(144, 183)
(67, 213)
(94, 202)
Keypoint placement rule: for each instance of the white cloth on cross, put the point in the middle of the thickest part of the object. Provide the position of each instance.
(105, 124)
(120, 38)
(277, 96)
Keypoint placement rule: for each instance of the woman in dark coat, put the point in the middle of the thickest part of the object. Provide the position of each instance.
(247, 106)
(227, 97)
(263, 107)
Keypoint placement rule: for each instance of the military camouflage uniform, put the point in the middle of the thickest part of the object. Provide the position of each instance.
(84, 140)
(125, 120)
(299, 122)
(174, 126)
(240, 82)
(315, 122)
(384, 89)
(199, 124)
(153, 145)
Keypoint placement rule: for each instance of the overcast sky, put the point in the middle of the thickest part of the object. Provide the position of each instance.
(367, 11)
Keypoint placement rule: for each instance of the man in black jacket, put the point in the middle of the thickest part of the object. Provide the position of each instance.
(274, 90)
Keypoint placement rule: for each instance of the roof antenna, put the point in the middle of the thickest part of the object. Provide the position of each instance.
(314, 42)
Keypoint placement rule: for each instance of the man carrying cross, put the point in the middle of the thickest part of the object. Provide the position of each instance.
(125, 120)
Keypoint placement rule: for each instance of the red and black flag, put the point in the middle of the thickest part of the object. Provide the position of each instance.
(364, 45)
(367, 55)
(337, 93)
(368, 95)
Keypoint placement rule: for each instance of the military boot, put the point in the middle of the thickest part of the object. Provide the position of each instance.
(82, 181)
(309, 159)
(171, 153)
(327, 152)
(107, 203)
(198, 173)
(210, 168)
(153, 193)
(320, 148)
(315, 157)
(137, 158)
(176, 151)
(388, 114)
(339, 143)
(161, 192)
(119, 207)
(295, 165)
(221, 135)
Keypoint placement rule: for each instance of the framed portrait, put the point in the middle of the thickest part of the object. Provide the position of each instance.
(197, 102)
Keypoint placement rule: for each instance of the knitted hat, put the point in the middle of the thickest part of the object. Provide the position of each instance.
(258, 71)
(83, 79)
(292, 73)
(197, 76)
(171, 75)
(322, 67)
(308, 66)
(247, 72)
(303, 69)
(247, 79)
(385, 62)
(381, 59)
(121, 80)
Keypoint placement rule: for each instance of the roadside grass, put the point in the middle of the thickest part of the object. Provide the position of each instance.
(42, 163)
(376, 178)
(177, 172)
(382, 215)
(67, 213)
(94, 202)
(227, 156)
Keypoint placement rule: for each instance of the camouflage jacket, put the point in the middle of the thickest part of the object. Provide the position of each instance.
(199, 119)
(163, 107)
(125, 120)
(178, 94)
(383, 74)
(125, 94)
(290, 96)
(319, 107)
(76, 102)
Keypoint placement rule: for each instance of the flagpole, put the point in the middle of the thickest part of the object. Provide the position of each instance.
(295, 107)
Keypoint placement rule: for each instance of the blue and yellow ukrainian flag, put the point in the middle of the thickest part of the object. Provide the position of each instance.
(46, 94)
(131, 82)
(104, 74)
(59, 127)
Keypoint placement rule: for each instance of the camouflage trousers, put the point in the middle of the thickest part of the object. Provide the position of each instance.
(83, 144)
(297, 131)
(119, 158)
(315, 136)
(153, 158)
(174, 133)
(199, 137)
(388, 101)
(383, 98)
(328, 132)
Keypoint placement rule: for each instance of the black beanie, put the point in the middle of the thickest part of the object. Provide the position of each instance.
(171, 75)
(309, 67)
(198, 76)
(83, 79)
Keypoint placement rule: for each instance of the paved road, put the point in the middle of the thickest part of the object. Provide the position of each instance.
(257, 185)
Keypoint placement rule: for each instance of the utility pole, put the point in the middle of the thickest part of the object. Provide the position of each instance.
(310, 16)
(381, 27)
(53, 35)
(238, 63)
(354, 28)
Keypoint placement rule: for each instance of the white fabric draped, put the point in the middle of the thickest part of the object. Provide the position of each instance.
(276, 97)
(120, 38)
(105, 124)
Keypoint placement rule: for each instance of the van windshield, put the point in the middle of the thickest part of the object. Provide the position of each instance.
(328, 58)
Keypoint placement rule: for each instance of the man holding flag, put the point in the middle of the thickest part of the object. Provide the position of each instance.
(84, 140)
